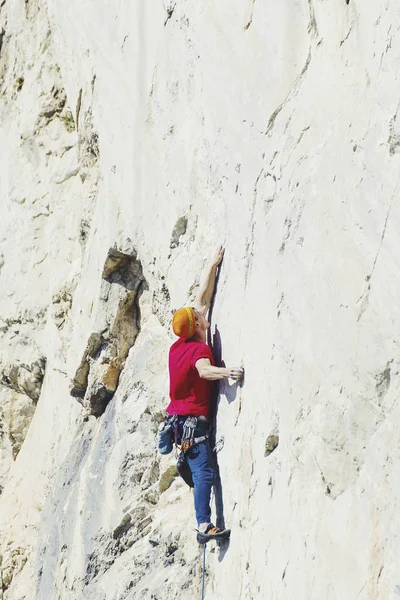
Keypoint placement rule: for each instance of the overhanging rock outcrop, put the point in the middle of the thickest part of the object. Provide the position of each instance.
(118, 318)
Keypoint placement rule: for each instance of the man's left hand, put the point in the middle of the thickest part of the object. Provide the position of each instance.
(219, 255)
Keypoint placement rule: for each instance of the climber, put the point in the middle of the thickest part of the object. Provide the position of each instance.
(192, 373)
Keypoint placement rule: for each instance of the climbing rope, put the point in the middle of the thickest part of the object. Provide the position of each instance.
(204, 571)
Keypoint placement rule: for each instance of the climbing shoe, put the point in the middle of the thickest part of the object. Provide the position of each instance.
(212, 533)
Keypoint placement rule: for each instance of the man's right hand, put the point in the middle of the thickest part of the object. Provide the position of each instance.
(207, 371)
(236, 373)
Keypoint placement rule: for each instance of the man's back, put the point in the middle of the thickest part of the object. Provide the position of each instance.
(190, 395)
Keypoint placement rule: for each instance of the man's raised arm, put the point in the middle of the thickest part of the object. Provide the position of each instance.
(207, 284)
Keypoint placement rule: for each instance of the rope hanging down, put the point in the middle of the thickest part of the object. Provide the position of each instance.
(204, 571)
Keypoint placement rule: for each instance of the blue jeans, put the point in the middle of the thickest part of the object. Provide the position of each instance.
(200, 462)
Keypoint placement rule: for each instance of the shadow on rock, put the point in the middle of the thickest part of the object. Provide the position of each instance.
(227, 389)
(230, 391)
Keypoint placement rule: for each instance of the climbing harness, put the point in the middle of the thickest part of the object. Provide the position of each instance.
(204, 571)
(187, 442)
(168, 437)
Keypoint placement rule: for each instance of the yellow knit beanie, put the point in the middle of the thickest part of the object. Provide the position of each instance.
(183, 322)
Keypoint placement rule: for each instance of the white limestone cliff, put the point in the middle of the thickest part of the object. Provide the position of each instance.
(135, 138)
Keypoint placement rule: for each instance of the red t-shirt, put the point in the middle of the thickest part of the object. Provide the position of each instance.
(190, 395)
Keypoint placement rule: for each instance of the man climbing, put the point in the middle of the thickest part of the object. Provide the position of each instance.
(192, 373)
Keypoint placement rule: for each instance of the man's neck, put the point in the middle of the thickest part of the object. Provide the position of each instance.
(200, 336)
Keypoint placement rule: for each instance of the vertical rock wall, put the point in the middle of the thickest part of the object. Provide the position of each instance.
(135, 138)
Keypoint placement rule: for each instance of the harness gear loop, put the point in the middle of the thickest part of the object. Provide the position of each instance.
(188, 433)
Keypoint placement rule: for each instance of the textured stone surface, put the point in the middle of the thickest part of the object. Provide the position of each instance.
(137, 137)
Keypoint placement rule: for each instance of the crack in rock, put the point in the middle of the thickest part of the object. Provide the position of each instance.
(170, 11)
(249, 18)
(383, 380)
(328, 485)
(347, 35)
(292, 92)
(394, 135)
(262, 187)
(78, 108)
(312, 25)
(364, 298)
(288, 225)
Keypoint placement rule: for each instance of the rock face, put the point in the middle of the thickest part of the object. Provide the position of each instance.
(136, 138)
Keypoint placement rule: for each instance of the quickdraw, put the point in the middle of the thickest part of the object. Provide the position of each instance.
(188, 433)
